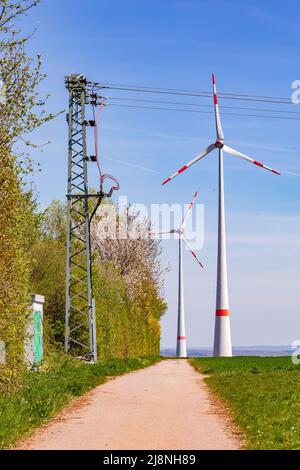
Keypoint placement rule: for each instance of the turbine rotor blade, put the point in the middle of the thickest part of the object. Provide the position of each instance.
(236, 153)
(192, 251)
(209, 149)
(220, 135)
(185, 217)
(160, 233)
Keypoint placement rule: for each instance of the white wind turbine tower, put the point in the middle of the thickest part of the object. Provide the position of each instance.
(222, 340)
(181, 338)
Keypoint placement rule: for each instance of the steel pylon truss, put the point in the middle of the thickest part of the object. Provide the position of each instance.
(80, 335)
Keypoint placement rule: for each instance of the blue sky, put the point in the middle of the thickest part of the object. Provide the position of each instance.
(253, 48)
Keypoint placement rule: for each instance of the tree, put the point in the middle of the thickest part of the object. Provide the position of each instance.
(126, 286)
(48, 276)
(125, 241)
(48, 271)
(54, 221)
(21, 111)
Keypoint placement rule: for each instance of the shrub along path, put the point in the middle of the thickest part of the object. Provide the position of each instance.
(165, 406)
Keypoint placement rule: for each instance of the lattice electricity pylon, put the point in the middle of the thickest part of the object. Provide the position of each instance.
(80, 335)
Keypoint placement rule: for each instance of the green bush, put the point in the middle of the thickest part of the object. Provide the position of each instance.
(48, 278)
(13, 272)
(18, 229)
(125, 327)
(23, 111)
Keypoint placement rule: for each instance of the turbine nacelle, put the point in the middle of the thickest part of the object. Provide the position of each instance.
(219, 144)
(177, 231)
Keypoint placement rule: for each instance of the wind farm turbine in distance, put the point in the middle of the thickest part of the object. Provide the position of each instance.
(222, 338)
(181, 338)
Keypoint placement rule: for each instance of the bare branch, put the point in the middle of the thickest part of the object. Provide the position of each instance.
(16, 11)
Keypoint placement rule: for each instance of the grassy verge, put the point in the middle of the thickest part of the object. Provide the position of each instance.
(263, 394)
(43, 394)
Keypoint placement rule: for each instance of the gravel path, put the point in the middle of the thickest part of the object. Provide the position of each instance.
(165, 406)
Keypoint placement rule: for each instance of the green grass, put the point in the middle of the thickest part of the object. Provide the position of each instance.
(43, 394)
(263, 394)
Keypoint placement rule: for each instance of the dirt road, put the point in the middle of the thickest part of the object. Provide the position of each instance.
(166, 406)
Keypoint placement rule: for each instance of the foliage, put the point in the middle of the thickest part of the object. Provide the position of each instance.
(14, 270)
(126, 326)
(54, 221)
(47, 277)
(124, 241)
(263, 394)
(21, 111)
(44, 394)
(48, 272)
(127, 321)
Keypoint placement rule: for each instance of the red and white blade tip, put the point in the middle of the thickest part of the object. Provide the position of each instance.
(266, 167)
(209, 149)
(193, 200)
(185, 167)
(196, 258)
(213, 79)
(238, 154)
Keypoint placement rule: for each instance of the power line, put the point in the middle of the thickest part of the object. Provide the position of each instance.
(203, 112)
(201, 105)
(205, 94)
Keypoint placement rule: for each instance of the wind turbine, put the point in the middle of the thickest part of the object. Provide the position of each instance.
(181, 338)
(222, 339)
